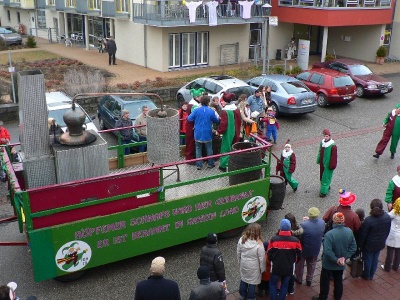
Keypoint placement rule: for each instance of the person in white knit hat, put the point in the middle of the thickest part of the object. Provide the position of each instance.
(287, 165)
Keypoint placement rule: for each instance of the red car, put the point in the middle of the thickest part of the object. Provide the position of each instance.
(330, 86)
(367, 83)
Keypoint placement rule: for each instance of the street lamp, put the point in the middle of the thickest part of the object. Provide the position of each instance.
(265, 38)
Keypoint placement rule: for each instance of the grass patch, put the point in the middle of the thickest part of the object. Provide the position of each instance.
(27, 56)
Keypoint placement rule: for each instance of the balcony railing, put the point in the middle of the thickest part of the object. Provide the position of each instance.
(351, 4)
(176, 12)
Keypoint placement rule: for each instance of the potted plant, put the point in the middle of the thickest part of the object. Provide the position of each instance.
(329, 57)
(380, 55)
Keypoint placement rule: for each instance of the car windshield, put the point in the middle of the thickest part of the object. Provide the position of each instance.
(360, 70)
(59, 113)
(294, 87)
(342, 81)
(135, 107)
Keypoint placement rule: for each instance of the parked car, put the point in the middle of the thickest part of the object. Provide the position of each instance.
(367, 83)
(110, 107)
(58, 103)
(330, 86)
(214, 86)
(9, 37)
(289, 95)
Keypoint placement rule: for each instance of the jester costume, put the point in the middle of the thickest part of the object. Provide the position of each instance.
(193, 104)
(229, 127)
(392, 131)
(393, 189)
(287, 165)
(327, 160)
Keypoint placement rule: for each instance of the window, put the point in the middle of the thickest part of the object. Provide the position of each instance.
(18, 17)
(70, 3)
(122, 6)
(8, 16)
(109, 103)
(303, 76)
(41, 19)
(316, 78)
(342, 81)
(95, 4)
(256, 82)
(188, 49)
(50, 2)
(210, 87)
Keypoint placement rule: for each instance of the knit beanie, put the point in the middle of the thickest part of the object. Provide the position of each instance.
(338, 218)
(212, 238)
(285, 225)
(203, 272)
(313, 213)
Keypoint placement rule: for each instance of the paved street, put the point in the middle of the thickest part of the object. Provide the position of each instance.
(355, 128)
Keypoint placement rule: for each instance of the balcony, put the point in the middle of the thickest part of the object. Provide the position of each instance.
(48, 4)
(173, 14)
(70, 6)
(118, 9)
(337, 4)
(24, 4)
(94, 8)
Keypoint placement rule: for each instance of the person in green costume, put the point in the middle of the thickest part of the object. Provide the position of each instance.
(327, 160)
(392, 131)
(287, 165)
(229, 127)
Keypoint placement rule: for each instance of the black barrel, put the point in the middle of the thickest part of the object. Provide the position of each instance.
(277, 191)
(244, 160)
(216, 146)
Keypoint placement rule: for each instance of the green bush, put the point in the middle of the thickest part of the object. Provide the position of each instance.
(381, 52)
(329, 57)
(31, 42)
(296, 70)
(278, 70)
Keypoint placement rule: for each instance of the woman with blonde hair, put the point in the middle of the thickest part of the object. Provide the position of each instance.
(251, 257)
(393, 240)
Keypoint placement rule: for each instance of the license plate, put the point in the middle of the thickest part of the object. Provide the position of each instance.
(384, 91)
(347, 97)
(306, 101)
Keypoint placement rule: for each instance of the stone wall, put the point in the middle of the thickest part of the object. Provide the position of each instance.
(9, 112)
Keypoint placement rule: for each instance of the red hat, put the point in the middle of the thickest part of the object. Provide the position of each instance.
(228, 97)
(326, 132)
(346, 198)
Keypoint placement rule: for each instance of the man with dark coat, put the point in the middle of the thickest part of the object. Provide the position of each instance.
(339, 244)
(207, 290)
(284, 250)
(229, 127)
(373, 234)
(392, 131)
(311, 241)
(327, 160)
(156, 286)
(127, 133)
(393, 190)
(211, 257)
(111, 48)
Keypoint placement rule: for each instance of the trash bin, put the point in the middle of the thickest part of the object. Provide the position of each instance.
(242, 161)
(278, 54)
(277, 191)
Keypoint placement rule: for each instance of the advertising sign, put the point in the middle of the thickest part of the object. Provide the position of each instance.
(303, 54)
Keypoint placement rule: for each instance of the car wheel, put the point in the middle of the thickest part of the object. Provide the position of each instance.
(321, 100)
(275, 108)
(360, 91)
(180, 99)
(101, 124)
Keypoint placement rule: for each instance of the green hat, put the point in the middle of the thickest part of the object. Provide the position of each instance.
(196, 93)
(313, 213)
(397, 105)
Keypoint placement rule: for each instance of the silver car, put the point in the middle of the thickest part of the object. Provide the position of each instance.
(289, 95)
(214, 86)
(9, 37)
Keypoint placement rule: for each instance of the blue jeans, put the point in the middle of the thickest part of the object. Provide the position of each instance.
(273, 282)
(247, 290)
(142, 148)
(370, 264)
(199, 150)
(271, 130)
(127, 150)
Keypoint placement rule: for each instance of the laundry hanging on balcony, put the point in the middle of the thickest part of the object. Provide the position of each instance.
(192, 6)
(212, 13)
(246, 8)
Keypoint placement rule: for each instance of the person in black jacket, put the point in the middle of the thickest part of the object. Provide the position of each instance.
(156, 286)
(372, 237)
(111, 48)
(207, 289)
(211, 257)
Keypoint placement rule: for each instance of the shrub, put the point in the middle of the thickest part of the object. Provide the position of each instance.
(329, 57)
(31, 42)
(278, 70)
(296, 70)
(123, 86)
(381, 52)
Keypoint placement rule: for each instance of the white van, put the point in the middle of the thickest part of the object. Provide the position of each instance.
(58, 103)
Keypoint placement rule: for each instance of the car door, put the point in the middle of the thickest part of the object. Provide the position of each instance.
(116, 112)
(106, 108)
(315, 82)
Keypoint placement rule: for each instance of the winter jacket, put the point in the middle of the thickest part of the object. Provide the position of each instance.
(311, 241)
(351, 219)
(157, 287)
(211, 257)
(393, 239)
(203, 117)
(251, 257)
(127, 134)
(141, 120)
(338, 242)
(374, 231)
(284, 250)
(256, 104)
(208, 290)
(111, 47)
